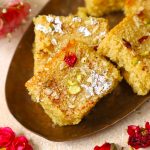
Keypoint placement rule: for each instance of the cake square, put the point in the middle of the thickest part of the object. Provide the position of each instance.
(128, 45)
(100, 7)
(53, 32)
(72, 83)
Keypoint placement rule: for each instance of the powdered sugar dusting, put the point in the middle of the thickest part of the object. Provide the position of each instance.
(49, 19)
(56, 23)
(84, 31)
(42, 28)
(57, 28)
(98, 84)
(76, 19)
(103, 33)
(93, 21)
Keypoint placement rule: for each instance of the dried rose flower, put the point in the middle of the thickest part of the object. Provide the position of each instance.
(12, 16)
(127, 44)
(9, 141)
(139, 137)
(20, 143)
(70, 60)
(142, 39)
(6, 137)
(106, 146)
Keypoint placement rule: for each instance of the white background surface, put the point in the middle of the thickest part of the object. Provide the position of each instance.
(116, 134)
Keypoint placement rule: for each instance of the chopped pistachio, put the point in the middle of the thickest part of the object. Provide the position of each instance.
(135, 61)
(74, 89)
(79, 77)
(72, 82)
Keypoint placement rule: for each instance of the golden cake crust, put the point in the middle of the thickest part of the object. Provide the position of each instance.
(52, 33)
(141, 7)
(127, 45)
(67, 93)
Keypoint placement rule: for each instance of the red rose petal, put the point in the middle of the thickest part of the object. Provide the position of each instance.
(6, 137)
(1, 23)
(139, 137)
(70, 60)
(96, 148)
(20, 143)
(13, 17)
(106, 146)
(133, 130)
(147, 125)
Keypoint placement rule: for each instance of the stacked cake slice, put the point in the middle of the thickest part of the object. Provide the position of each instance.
(72, 83)
(52, 33)
(128, 45)
(69, 76)
(71, 72)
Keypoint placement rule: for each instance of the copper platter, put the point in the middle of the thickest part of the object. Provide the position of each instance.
(107, 112)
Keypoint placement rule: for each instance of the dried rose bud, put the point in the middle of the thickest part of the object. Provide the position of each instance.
(127, 44)
(7, 136)
(12, 16)
(70, 60)
(142, 39)
(20, 143)
(140, 14)
(139, 137)
(95, 48)
(106, 146)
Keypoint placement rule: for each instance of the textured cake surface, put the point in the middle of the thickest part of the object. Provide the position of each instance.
(137, 7)
(100, 7)
(128, 45)
(72, 83)
(53, 32)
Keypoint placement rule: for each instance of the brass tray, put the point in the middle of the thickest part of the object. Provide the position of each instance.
(107, 112)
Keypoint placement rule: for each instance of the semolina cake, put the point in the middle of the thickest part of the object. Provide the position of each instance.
(98, 8)
(137, 7)
(53, 32)
(128, 45)
(72, 83)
